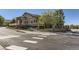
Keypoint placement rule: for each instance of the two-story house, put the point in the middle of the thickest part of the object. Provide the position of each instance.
(26, 20)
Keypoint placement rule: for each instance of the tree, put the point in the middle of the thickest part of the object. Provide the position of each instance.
(45, 19)
(13, 21)
(52, 19)
(58, 19)
(41, 21)
(1, 20)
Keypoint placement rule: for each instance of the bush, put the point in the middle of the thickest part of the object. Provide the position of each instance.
(61, 30)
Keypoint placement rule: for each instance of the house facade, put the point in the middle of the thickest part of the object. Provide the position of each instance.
(26, 20)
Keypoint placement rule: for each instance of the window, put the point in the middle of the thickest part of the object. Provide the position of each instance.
(31, 21)
(35, 21)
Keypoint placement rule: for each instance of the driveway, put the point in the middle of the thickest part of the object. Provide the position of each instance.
(27, 40)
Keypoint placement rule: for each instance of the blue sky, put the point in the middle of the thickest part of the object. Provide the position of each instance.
(71, 15)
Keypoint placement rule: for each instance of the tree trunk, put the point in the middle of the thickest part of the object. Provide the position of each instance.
(53, 27)
(38, 26)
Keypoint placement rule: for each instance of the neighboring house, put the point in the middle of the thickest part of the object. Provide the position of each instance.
(26, 20)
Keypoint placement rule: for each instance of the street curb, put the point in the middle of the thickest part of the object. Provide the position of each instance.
(21, 31)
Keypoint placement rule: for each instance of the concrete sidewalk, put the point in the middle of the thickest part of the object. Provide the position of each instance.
(1, 48)
(37, 32)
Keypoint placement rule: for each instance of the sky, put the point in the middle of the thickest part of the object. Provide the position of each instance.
(71, 15)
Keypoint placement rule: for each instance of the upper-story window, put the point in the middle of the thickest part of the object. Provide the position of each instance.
(31, 21)
(35, 21)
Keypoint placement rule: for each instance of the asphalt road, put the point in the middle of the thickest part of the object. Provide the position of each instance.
(16, 40)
